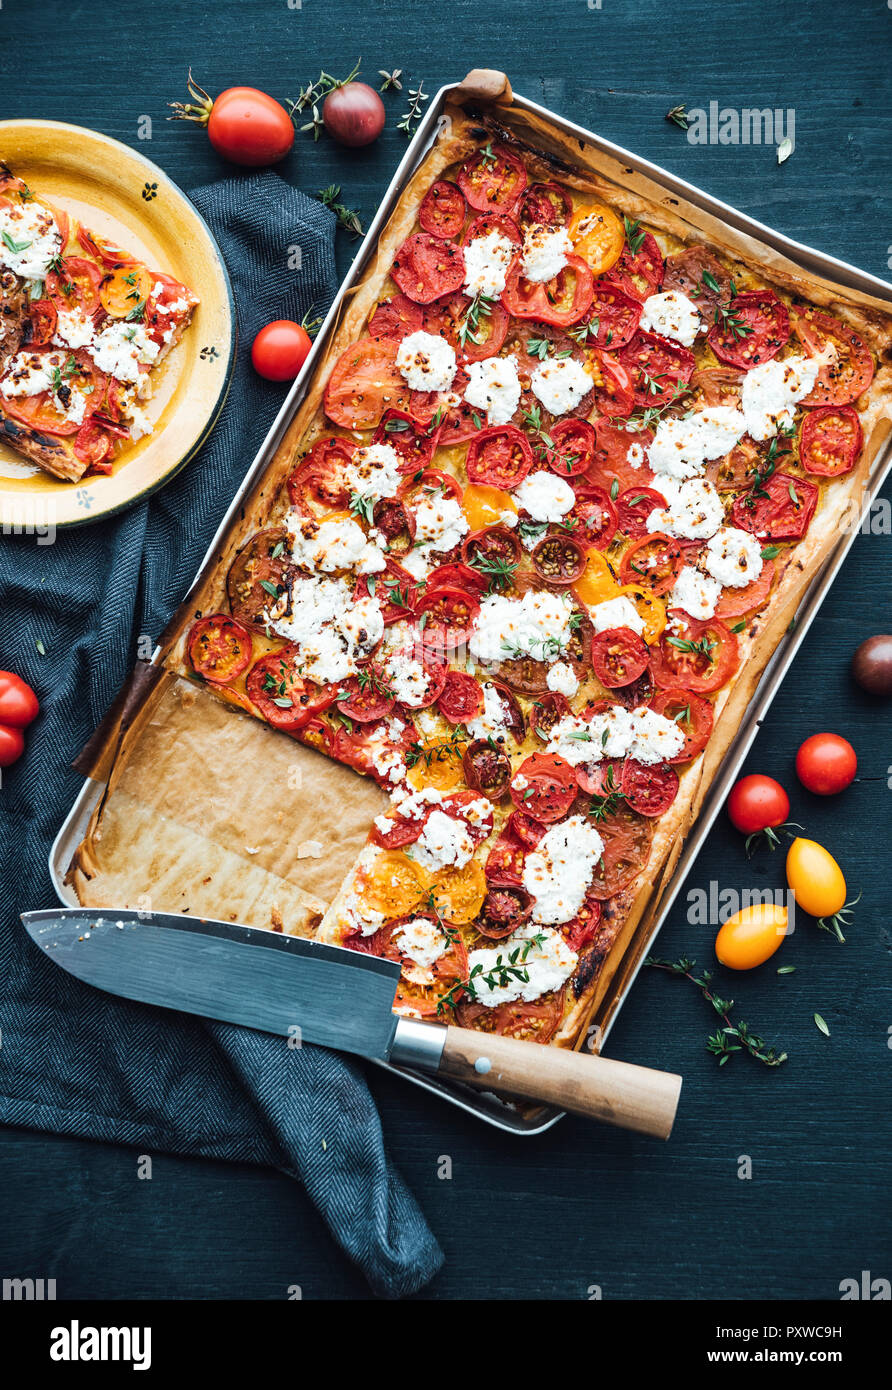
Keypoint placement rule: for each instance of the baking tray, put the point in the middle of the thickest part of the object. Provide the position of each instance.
(491, 1108)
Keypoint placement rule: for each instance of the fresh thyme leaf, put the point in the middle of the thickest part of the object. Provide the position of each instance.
(678, 116)
(635, 234)
(347, 217)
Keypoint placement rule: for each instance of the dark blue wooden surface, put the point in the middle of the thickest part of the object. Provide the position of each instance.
(581, 1206)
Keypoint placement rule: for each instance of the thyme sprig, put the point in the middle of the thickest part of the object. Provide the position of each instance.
(312, 95)
(469, 327)
(733, 1037)
(410, 118)
(348, 218)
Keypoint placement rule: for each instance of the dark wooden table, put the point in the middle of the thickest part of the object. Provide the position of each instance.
(581, 1206)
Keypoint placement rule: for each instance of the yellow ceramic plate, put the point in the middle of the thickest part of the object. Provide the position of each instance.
(121, 195)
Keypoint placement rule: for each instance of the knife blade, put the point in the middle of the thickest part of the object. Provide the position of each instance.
(334, 997)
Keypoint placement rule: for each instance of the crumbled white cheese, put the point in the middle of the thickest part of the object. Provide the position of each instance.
(696, 593)
(413, 805)
(562, 679)
(407, 679)
(537, 625)
(545, 252)
(444, 841)
(440, 522)
(542, 962)
(682, 447)
(558, 872)
(694, 510)
(487, 260)
(560, 384)
(733, 557)
(640, 733)
(29, 373)
(29, 239)
(332, 545)
(426, 362)
(616, 612)
(332, 630)
(422, 941)
(545, 496)
(493, 721)
(374, 471)
(493, 386)
(770, 393)
(120, 348)
(672, 315)
(73, 328)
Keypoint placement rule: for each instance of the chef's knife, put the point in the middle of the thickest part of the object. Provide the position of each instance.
(338, 998)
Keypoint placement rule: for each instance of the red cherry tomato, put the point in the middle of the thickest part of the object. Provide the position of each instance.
(18, 703)
(243, 124)
(12, 745)
(280, 350)
(353, 114)
(826, 764)
(757, 803)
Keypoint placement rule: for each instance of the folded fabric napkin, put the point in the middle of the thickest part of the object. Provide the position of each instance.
(74, 1060)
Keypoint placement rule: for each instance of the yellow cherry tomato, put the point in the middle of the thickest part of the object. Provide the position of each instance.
(650, 609)
(596, 584)
(598, 236)
(392, 885)
(125, 289)
(458, 893)
(751, 936)
(816, 879)
(483, 505)
(439, 765)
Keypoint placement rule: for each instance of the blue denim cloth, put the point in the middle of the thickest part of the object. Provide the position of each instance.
(79, 1062)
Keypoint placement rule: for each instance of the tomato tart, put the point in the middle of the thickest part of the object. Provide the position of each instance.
(549, 507)
(83, 324)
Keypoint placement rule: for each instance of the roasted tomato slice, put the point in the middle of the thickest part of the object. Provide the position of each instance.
(505, 908)
(401, 831)
(448, 318)
(544, 786)
(125, 289)
(493, 179)
(395, 522)
(830, 440)
(316, 484)
(494, 555)
(584, 926)
(258, 576)
(718, 385)
(282, 696)
(614, 317)
(396, 317)
(427, 483)
(93, 446)
(660, 370)
(639, 270)
(619, 656)
(694, 655)
(456, 575)
(450, 616)
(733, 603)
(43, 322)
(652, 562)
(367, 697)
(392, 885)
(423, 688)
(75, 285)
(461, 698)
(692, 714)
(598, 236)
(499, 456)
(425, 267)
(442, 211)
(549, 709)
(621, 456)
(504, 863)
(600, 779)
(487, 768)
(778, 509)
(73, 372)
(545, 205)
(413, 441)
(558, 559)
(393, 587)
(219, 648)
(528, 830)
(364, 383)
(562, 301)
(627, 838)
(572, 449)
(701, 277)
(498, 222)
(649, 790)
(634, 506)
(849, 369)
(457, 894)
(614, 386)
(594, 518)
(536, 1022)
(737, 470)
(754, 328)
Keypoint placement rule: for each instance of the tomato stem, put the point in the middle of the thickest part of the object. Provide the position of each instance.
(843, 918)
(198, 109)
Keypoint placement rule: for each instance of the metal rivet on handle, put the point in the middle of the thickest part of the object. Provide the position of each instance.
(483, 1065)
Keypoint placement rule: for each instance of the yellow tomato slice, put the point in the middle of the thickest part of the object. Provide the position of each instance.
(598, 236)
(125, 289)
(439, 766)
(458, 893)
(392, 885)
(651, 609)
(483, 505)
(596, 584)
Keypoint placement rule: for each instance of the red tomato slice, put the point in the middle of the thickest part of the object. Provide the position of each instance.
(558, 559)
(393, 587)
(634, 506)
(600, 778)
(614, 317)
(614, 385)
(504, 863)
(685, 273)
(259, 575)
(545, 205)
(364, 384)
(830, 440)
(654, 562)
(43, 322)
(528, 830)
(451, 613)
(493, 555)
(595, 517)
(619, 656)
(752, 331)
(550, 788)
(621, 454)
(649, 790)
(102, 250)
(446, 318)
(365, 698)
(493, 222)
(493, 179)
(425, 267)
(584, 926)
(456, 804)
(74, 285)
(548, 710)
(692, 714)
(781, 511)
(396, 317)
(93, 446)
(733, 603)
(456, 576)
(562, 301)
(435, 678)
(219, 647)
(487, 768)
(442, 211)
(281, 696)
(638, 274)
(659, 369)
(694, 655)
(572, 450)
(505, 908)
(316, 484)
(461, 698)
(627, 839)
(849, 372)
(401, 832)
(500, 456)
(40, 412)
(413, 441)
(718, 385)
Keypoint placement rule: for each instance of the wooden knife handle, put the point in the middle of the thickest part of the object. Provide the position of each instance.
(615, 1092)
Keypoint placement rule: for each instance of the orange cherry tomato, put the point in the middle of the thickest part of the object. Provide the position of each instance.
(751, 936)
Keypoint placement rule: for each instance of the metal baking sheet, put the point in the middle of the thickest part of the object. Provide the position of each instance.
(490, 1108)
